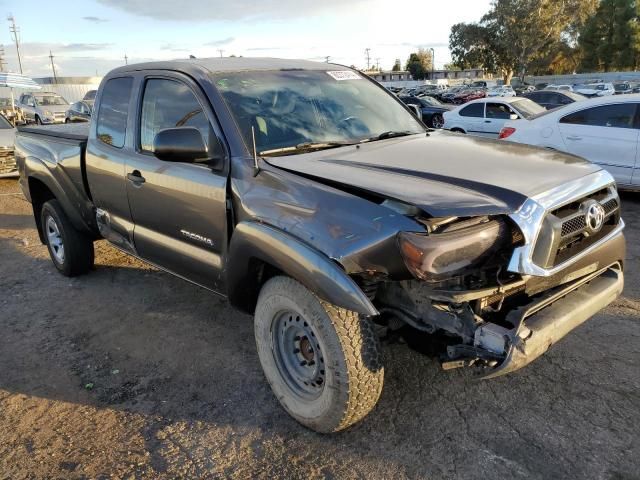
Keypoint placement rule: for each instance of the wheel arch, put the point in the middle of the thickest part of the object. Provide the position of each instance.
(258, 252)
(43, 187)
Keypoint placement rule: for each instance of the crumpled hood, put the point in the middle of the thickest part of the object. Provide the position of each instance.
(444, 174)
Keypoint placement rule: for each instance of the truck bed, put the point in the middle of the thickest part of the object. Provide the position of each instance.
(72, 131)
(60, 149)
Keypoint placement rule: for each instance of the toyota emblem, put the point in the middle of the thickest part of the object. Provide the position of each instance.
(594, 216)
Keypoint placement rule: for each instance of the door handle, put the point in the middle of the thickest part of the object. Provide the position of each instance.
(573, 137)
(487, 121)
(135, 177)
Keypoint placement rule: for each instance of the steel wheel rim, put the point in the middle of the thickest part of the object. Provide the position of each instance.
(54, 238)
(438, 121)
(297, 354)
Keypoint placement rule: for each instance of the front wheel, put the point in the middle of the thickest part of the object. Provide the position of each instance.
(38, 120)
(323, 362)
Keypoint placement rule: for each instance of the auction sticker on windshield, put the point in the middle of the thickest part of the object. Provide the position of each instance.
(344, 75)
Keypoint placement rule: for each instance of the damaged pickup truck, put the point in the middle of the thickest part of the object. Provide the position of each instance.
(314, 200)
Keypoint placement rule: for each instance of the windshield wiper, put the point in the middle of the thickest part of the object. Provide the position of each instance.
(306, 146)
(389, 134)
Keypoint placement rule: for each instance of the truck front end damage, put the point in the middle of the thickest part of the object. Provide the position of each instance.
(503, 289)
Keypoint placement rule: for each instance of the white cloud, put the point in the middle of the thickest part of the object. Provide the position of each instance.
(197, 10)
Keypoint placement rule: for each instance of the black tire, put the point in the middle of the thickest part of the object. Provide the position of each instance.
(458, 130)
(437, 121)
(38, 121)
(77, 255)
(346, 357)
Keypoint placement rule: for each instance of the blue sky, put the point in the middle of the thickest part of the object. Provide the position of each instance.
(89, 37)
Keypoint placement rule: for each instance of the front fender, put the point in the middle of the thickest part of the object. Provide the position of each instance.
(252, 241)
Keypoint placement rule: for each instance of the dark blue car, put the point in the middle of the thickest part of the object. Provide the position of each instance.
(430, 108)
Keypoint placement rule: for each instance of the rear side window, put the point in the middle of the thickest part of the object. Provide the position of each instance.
(473, 110)
(617, 116)
(113, 111)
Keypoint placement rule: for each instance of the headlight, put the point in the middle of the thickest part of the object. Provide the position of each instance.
(439, 256)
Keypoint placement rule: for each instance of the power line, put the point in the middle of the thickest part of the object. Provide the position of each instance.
(15, 30)
(53, 67)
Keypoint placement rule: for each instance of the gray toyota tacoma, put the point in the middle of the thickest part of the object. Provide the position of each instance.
(314, 200)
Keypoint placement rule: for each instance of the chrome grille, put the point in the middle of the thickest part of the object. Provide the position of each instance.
(7, 161)
(565, 232)
(574, 225)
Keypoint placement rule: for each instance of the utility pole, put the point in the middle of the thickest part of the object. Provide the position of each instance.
(15, 30)
(2, 61)
(433, 63)
(367, 53)
(326, 58)
(53, 67)
(220, 51)
(378, 63)
(126, 59)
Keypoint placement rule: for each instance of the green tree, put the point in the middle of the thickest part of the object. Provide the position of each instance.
(419, 64)
(610, 38)
(397, 66)
(514, 34)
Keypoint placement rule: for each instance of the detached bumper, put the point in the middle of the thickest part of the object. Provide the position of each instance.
(548, 320)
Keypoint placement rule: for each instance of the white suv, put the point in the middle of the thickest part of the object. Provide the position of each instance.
(596, 90)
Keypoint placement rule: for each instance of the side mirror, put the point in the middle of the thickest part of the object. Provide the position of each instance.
(181, 144)
(513, 116)
(416, 110)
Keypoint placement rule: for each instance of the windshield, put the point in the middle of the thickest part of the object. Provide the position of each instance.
(527, 108)
(304, 107)
(574, 96)
(430, 102)
(90, 95)
(4, 123)
(45, 100)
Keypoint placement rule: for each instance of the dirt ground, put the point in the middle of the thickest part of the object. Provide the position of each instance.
(131, 373)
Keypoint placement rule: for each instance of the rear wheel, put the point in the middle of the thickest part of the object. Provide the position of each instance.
(458, 130)
(323, 362)
(437, 120)
(71, 251)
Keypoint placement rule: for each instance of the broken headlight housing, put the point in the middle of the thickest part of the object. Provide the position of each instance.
(455, 251)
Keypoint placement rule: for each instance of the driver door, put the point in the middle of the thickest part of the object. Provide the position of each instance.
(178, 209)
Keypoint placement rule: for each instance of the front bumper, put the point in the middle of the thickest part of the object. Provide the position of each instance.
(544, 322)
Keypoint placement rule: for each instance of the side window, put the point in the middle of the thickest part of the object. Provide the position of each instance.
(498, 111)
(617, 116)
(76, 107)
(169, 104)
(113, 111)
(473, 110)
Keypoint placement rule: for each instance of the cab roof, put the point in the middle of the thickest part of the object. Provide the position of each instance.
(231, 64)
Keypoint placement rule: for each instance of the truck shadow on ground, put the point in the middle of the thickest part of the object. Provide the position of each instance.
(137, 340)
